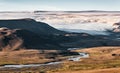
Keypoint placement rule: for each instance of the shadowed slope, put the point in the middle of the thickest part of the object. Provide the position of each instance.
(31, 25)
(28, 33)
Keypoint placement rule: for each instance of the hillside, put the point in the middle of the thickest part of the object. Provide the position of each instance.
(30, 25)
(27, 33)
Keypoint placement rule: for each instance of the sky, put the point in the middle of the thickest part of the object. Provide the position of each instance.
(59, 5)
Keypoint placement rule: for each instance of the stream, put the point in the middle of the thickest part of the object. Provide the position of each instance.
(29, 65)
(72, 58)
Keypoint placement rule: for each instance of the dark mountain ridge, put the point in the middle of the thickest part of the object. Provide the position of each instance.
(31, 25)
(84, 11)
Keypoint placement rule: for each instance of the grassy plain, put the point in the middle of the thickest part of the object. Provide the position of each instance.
(101, 60)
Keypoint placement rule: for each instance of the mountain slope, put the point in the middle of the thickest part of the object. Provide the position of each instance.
(27, 33)
(31, 25)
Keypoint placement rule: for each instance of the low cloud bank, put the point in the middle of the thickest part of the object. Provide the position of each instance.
(91, 28)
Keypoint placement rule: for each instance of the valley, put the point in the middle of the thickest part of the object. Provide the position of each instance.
(54, 42)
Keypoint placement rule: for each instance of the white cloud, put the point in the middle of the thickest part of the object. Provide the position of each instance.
(50, 8)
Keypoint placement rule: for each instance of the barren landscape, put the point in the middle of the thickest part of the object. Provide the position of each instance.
(59, 36)
(60, 42)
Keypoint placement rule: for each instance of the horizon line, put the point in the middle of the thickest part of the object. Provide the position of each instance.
(61, 10)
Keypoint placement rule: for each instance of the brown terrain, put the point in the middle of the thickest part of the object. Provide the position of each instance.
(102, 59)
(110, 70)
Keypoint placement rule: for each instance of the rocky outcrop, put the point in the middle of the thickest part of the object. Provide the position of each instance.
(9, 41)
(116, 27)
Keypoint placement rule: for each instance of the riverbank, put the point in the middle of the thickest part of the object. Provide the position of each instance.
(109, 70)
(102, 59)
(34, 57)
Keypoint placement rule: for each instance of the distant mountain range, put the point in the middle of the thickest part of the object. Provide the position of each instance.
(84, 11)
(97, 11)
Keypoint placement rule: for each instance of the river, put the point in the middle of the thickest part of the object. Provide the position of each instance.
(72, 58)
